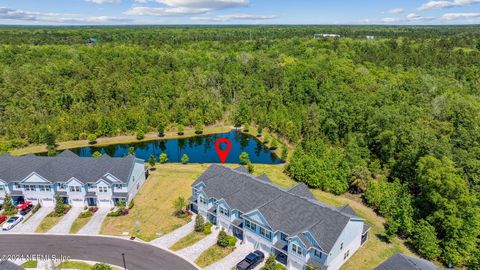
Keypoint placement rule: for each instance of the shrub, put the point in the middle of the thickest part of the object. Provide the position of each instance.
(274, 144)
(83, 136)
(246, 127)
(180, 205)
(198, 128)
(250, 167)
(244, 158)
(151, 161)
(131, 204)
(223, 239)
(85, 214)
(180, 130)
(199, 223)
(59, 205)
(266, 138)
(208, 228)
(9, 208)
(232, 240)
(163, 158)
(140, 135)
(161, 129)
(92, 138)
(36, 208)
(185, 159)
(284, 153)
(97, 154)
(259, 131)
(101, 266)
(131, 150)
(93, 209)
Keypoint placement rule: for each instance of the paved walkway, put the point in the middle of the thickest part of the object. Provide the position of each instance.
(169, 239)
(193, 252)
(32, 223)
(95, 223)
(240, 252)
(64, 225)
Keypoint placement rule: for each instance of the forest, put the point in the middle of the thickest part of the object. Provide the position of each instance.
(396, 118)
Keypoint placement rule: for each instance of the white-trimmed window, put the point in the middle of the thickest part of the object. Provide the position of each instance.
(45, 188)
(75, 188)
(250, 225)
(224, 211)
(265, 233)
(2, 187)
(341, 246)
(62, 186)
(103, 189)
(29, 187)
(202, 200)
(296, 249)
(317, 253)
(118, 186)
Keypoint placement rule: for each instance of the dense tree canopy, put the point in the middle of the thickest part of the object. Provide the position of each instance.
(397, 117)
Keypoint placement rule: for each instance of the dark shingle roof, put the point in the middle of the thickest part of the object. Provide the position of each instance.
(403, 262)
(241, 169)
(8, 265)
(347, 210)
(265, 178)
(286, 211)
(64, 166)
(302, 190)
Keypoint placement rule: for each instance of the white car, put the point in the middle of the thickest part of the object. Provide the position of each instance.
(12, 222)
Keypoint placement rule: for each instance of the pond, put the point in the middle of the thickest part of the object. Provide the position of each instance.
(200, 149)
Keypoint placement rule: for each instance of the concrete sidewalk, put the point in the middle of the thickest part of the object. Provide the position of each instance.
(66, 223)
(193, 252)
(169, 239)
(95, 224)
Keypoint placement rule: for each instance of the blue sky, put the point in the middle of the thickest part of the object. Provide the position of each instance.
(75, 12)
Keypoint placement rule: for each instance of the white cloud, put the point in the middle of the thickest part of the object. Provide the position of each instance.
(416, 17)
(447, 4)
(104, 1)
(184, 7)
(396, 11)
(20, 15)
(390, 20)
(232, 17)
(457, 16)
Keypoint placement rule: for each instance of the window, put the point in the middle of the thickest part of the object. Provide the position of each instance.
(283, 237)
(29, 187)
(317, 253)
(265, 233)
(119, 186)
(250, 225)
(102, 189)
(341, 246)
(74, 188)
(62, 186)
(44, 188)
(224, 211)
(296, 249)
(202, 200)
(2, 187)
(346, 254)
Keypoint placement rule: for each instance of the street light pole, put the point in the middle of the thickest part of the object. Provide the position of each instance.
(124, 264)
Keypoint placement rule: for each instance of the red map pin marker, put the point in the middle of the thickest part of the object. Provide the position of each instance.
(223, 153)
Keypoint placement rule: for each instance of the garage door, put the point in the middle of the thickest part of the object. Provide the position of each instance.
(47, 202)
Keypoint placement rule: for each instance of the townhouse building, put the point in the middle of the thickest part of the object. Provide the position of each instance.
(79, 181)
(288, 223)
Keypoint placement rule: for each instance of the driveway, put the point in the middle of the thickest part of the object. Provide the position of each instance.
(194, 251)
(169, 239)
(233, 258)
(138, 256)
(95, 223)
(64, 225)
(32, 223)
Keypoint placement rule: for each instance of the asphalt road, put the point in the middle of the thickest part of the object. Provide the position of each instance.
(138, 256)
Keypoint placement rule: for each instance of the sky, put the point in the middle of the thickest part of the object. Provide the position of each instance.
(165, 12)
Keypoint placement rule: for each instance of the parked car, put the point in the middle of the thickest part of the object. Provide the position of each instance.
(26, 210)
(2, 218)
(251, 261)
(12, 222)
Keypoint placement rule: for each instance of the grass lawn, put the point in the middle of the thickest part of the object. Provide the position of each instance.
(172, 134)
(29, 264)
(75, 265)
(188, 240)
(79, 223)
(152, 215)
(47, 223)
(213, 254)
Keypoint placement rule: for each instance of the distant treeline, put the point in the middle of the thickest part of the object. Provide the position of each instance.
(396, 118)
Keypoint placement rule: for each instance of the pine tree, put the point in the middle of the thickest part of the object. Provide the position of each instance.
(199, 223)
(9, 208)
